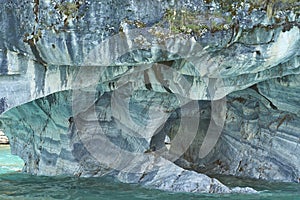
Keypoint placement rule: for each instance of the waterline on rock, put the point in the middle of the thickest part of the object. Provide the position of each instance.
(16, 185)
(24, 186)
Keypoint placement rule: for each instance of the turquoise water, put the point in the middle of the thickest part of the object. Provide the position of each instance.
(8, 162)
(15, 185)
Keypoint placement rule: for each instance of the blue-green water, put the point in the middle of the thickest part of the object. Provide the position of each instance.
(8, 162)
(15, 185)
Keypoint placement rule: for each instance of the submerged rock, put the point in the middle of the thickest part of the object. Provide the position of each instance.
(90, 88)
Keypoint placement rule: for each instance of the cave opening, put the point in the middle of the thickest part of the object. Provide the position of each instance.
(9, 163)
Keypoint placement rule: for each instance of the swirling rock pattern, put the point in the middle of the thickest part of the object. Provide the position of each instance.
(90, 88)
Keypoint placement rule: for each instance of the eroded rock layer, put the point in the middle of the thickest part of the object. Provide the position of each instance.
(129, 88)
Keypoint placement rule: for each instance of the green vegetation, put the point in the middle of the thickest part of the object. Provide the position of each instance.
(68, 8)
(33, 37)
(271, 6)
(185, 21)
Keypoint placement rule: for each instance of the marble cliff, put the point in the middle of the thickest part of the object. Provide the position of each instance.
(153, 92)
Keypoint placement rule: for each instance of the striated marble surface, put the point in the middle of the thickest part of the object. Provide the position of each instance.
(55, 146)
(46, 39)
(258, 140)
(89, 88)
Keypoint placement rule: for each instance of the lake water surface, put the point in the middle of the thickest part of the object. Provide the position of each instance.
(15, 185)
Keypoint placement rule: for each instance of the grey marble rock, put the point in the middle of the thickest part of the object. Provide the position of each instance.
(259, 140)
(89, 88)
(51, 142)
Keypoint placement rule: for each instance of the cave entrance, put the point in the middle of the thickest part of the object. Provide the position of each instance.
(8, 163)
